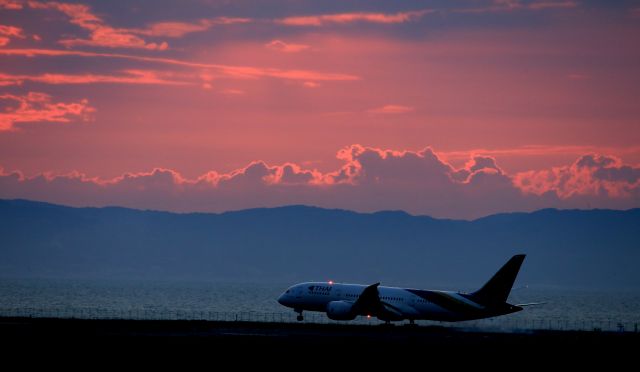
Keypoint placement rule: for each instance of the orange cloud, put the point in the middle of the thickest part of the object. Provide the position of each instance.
(241, 72)
(37, 107)
(281, 46)
(589, 175)
(293, 174)
(101, 34)
(10, 4)
(391, 109)
(532, 150)
(104, 35)
(370, 179)
(11, 31)
(129, 77)
(319, 20)
(179, 29)
(8, 32)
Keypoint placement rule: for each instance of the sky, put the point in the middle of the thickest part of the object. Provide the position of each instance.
(450, 109)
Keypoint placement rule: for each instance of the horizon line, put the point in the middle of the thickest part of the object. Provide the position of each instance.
(308, 206)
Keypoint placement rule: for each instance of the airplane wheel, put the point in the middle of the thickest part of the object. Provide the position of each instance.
(299, 318)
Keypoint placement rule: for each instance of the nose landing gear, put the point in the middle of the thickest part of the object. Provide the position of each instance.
(299, 317)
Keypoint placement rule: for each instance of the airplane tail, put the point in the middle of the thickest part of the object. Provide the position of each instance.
(496, 290)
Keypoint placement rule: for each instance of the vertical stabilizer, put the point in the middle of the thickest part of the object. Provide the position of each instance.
(497, 289)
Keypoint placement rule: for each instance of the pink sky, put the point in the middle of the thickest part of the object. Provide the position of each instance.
(460, 111)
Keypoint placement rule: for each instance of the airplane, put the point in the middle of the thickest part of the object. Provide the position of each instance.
(347, 301)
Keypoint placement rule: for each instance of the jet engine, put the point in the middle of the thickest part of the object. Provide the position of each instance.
(340, 310)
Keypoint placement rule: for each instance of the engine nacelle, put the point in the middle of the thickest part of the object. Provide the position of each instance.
(340, 310)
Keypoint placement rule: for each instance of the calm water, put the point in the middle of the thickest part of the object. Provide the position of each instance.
(565, 309)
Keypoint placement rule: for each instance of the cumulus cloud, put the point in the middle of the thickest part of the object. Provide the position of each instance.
(367, 165)
(293, 174)
(38, 107)
(594, 175)
(369, 179)
(476, 164)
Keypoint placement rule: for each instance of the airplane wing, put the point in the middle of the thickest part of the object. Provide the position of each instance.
(369, 301)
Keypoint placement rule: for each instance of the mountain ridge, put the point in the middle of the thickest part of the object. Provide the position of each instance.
(571, 248)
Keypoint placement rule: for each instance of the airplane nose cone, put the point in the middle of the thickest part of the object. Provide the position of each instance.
(282, 300)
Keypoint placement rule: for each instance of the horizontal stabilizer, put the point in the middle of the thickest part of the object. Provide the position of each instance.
(532, 304)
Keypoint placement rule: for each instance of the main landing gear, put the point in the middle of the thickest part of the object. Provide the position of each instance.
(299, 317)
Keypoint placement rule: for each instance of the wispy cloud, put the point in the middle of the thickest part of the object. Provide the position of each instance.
(100, 33)
(391, 109)
(38, 107)
(281, 46)
(532, 150)
(103, 35)
(540, 5)
(577, 76)
(538, 151)
(180, 29)
(11, 31)
(513, 5)
(229, 71)
(233, 92)
(127, 77)
(10, 4)
(319, 20)
(8, 32)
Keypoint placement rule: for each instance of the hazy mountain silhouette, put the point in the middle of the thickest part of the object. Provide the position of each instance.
(567, 248)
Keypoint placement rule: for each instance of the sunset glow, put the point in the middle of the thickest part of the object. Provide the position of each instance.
(449, 109)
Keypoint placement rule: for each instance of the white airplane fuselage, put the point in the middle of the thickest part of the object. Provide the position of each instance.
(401, 303)
(346, 301)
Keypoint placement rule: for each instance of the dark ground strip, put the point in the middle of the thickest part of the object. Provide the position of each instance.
(318, 343)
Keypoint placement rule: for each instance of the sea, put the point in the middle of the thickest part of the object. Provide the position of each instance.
(561, 309)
